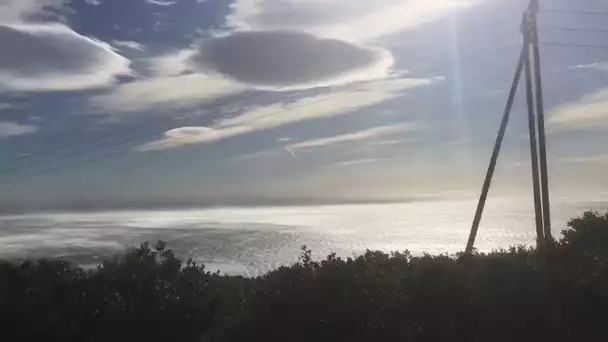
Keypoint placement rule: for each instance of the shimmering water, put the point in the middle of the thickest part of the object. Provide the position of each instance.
(254, 240)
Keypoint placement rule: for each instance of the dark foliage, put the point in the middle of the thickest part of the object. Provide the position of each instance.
(150, 295)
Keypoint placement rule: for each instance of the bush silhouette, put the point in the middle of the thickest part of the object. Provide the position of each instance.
(149, 294)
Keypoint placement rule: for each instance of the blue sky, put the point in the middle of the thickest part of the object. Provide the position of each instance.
(150, 103)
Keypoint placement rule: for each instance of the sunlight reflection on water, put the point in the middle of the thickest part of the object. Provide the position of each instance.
(254, 240)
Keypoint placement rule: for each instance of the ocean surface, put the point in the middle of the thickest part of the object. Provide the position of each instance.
(252, 241)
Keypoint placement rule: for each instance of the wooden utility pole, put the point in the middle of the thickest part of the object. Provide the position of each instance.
(538, 209)
(540, 112)
(494, 159)
(536, 124)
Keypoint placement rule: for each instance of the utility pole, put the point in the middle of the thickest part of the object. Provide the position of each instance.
(494, 159)
(536, 124)
(540, 111)
(538, 210)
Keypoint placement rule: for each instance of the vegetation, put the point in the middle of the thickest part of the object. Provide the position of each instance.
(150, 295)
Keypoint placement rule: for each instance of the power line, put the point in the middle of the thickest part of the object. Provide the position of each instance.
(115, 133)
(113, 144)
(574, 45)
(556, 11)
(576, 29)
(119, 154)
(533, 96)
(96, 138)
(149, 124)
(89, 161)
(68, 156)
(163, 120)
(155, 133)
(86, 151)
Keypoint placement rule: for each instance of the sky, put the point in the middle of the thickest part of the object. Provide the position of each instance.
(120, 104)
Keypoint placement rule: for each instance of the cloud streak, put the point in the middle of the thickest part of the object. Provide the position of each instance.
(17, 11)
(175, 92)
(161, 3)
(52, 57)
(595, 159)
(356, 162)
(356, 136)
(291, 151)
(587, 113)
(352, 20)
(129, 44)
(593, 66)
(11, 129)
(282, 114)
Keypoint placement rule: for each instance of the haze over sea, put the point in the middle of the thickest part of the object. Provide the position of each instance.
(251, 241)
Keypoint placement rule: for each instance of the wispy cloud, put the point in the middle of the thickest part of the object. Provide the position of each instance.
(256, 155)
(587, 113)
(355, 136)
(345, 19)
(15, 11)
(355, 162)
(11, 129)
(52, 57)
(177, 92)
(592, 66)
(391, 142)
(281, 114)
(161, 3)
(129, 44)
(599, 158)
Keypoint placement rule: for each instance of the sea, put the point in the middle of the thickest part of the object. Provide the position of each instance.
(253, 241)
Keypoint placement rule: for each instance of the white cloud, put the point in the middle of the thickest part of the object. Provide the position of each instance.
(355, 162)
(16, 11)
(285, 26)
(599, 158)
(587, 113)
(256, 155)
(49, 57)
(194, 135)
(326, 105)
(93, 2)
(177, 91)
(592, 66)
(129, 44)
(161, 3)
(281, 114)
(171, 64)
(46, 56)
(356, 136)
(5, 106)
(354, 20)
(10, 129)
(391, 142)
(290, 151)
(274, 44)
